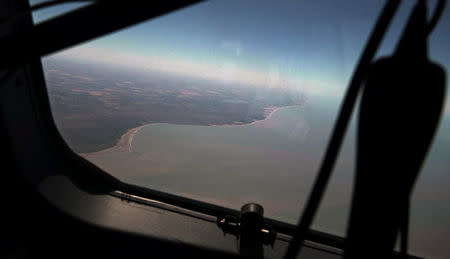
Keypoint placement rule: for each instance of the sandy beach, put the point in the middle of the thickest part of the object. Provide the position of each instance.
(268, 111)
(123, 145)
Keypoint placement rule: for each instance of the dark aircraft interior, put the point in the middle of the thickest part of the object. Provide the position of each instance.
(56, 204)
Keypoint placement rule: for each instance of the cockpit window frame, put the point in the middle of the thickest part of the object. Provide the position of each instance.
(92, 175)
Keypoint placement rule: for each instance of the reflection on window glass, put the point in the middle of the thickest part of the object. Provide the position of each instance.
(232, 102)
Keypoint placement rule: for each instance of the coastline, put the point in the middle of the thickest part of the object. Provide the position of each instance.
(122, 145)
(268, 112)
(125, 141)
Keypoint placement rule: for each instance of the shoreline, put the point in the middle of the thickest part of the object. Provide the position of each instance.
(122, 145)
(126, 140)
(268, 112)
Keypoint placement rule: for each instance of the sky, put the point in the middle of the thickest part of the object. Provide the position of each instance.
(312, 46)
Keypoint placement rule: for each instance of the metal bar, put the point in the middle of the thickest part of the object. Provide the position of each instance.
(219, 211)
(79, 26)
(345, 113)
(141, 193)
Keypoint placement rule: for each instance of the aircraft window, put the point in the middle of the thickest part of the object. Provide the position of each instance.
(231, 102)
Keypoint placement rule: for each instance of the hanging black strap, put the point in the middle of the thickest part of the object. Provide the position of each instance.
(400, 109)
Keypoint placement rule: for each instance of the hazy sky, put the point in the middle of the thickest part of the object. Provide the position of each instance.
(309, 45)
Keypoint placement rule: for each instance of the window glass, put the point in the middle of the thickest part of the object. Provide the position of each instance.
(231, 102)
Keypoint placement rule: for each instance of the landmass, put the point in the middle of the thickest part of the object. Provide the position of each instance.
(98, 107)
(125, 141)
